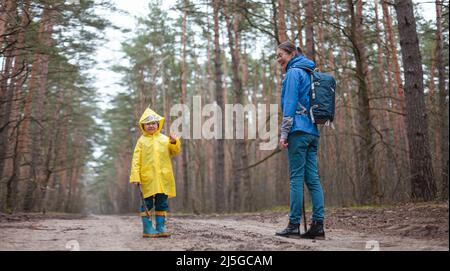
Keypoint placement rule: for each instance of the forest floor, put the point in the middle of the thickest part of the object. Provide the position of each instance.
(401, 227)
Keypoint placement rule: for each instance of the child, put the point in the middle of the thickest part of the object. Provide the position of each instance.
(152, 169)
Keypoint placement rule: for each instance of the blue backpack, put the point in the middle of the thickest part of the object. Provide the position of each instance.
(322, 97)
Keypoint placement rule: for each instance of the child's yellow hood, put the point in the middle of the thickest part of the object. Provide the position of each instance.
(150, 115)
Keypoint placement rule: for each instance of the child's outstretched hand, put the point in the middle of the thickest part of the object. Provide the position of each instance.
(173, 138)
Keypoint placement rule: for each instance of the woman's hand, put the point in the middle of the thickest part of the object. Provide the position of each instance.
(283, 144)
(173, 138)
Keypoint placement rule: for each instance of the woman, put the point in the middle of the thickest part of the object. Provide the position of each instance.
(301, 137)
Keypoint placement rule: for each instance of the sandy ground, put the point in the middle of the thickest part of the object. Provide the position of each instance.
(405, 227)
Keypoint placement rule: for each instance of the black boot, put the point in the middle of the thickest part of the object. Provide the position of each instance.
(315, 231)
(291, 230)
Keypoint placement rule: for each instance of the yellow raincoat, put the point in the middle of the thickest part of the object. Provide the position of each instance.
(152, 165)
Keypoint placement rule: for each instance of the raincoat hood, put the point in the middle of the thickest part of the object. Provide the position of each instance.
(148, 116)
(301, 62)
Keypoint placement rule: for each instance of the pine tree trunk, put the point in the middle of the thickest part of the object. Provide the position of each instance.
(443, 104)
(320, 57)
(297, 22)
(55, 162)
(275, 21)
(281, 21)
(241, 198)
(280, 164)
(309, 30)
(291, 14)
(393, 46)
(8, 73)
(397, 102)
(219, 166)
(7, 15)
(391, 175)
(423, 185)
(184, 161)
(369, 179)
(37, 171)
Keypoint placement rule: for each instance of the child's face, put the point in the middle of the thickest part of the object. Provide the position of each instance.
(151, 127)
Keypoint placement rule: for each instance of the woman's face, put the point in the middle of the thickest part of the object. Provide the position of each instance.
(151, 127)
(283, 58)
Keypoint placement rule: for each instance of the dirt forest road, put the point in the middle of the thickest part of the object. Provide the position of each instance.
(406, 227)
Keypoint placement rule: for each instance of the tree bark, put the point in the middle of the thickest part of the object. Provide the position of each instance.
(184, 160)
(281, 21)
(240, 147)
(219, 145)
(8, 94)
(393, 46)
(443, 104)
(275, 21)
(7, 15)
(296, 16)
(423, 186)
(391, 174)
(309, 30)
(37, 171)
(369, 177)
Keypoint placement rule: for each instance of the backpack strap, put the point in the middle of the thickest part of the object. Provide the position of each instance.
(308, 69)
(311, 113)
(301, 110)
(312, 94)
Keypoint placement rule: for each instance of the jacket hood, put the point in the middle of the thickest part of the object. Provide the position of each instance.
(150, 115)
(301, 62)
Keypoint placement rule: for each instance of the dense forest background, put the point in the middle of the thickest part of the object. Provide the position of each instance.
(389, 145)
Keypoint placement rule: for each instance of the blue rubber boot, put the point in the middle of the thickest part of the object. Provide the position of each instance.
(149, 231)
(160, 226)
